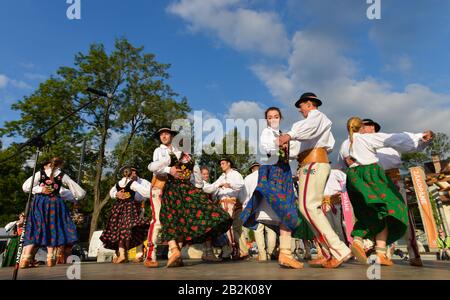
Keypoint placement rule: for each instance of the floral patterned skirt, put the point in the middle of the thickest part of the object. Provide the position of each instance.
(376, 203)
(188, 215)
(49, 223)
(125, 227)
(275, 186)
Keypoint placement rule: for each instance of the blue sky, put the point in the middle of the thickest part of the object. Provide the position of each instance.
(234, 58)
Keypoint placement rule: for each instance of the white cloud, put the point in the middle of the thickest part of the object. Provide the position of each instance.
(240, 28)
(3, 81)
(317, 62)
(245, 110)
(315, 65)
(20, 84)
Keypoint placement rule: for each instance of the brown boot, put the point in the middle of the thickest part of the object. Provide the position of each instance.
(334, 263)
(175, 258)
(383, 260)
(25, 262)
(51, 261)
(122, 259)
(416, 262)
(358, 251)
(287, 261)
(151, 263)
(318, 262)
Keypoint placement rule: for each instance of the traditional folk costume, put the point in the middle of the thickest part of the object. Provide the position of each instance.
(187, 214)
(390, 160)
(49, 222)
(160, 167)
(375, 199)
(139, 198)
(316, 141)
(230, 202)
(332, 201)
(265, 234)
(126, 228)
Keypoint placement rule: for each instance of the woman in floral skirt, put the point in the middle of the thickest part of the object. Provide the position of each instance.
(187, 214)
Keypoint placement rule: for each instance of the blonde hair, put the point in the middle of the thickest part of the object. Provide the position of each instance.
(55, 163)
(354, 124)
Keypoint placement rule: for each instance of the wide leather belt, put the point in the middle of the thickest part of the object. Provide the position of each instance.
(315, 155)
(158, 182)
(231, 200)
(393, 174)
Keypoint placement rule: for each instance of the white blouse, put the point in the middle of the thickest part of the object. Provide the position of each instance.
(161, 159)
(334, 181)
(267, 140)
(365, 146)
(234, 178)
(140, 186)
(313, 132)
(76, 190)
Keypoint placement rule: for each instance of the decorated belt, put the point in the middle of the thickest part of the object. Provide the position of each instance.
(232, 200)
(315, 155)
(333, 199)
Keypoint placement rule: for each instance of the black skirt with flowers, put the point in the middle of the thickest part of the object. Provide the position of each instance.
(188, 215)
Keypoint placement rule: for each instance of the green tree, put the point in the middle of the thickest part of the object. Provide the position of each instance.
(142, 102)
(439, 146)
(229, 146)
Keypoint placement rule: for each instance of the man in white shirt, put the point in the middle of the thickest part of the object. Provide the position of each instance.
(160, 167)
(316, 141)
(390, 160)
(227, 189)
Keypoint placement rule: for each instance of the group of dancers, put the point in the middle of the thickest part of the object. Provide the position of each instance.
(188, 209)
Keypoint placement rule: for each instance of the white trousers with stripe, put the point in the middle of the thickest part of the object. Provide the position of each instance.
(155, 224)
(312, 180)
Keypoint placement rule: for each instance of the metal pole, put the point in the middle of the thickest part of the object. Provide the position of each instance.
(27, 210)
(83, 150)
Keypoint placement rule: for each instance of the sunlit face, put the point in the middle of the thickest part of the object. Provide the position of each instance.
(273, 119)
(165, 137)
(368, 129)
(305, 107)
(225, 165)
(205, 174)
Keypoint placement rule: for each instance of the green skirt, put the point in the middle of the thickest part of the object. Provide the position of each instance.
(376, 203)
(303, 230)
(11, 251)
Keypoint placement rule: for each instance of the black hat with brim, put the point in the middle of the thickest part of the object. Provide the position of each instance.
(255, 164)
(157, 134)
(371, 122)
(308, 97)
(226, 159)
